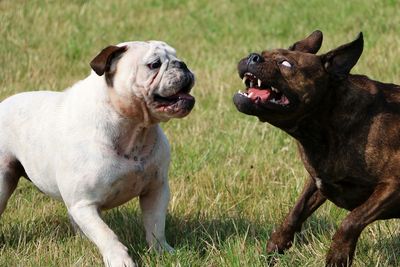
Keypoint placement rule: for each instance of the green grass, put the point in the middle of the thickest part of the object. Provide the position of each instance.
(232, 178)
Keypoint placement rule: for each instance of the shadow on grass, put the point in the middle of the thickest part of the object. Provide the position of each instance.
(314, 227)
(19, 233)
(195, 233)
(192, 234)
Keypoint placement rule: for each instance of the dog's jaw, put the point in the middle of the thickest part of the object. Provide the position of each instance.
(260, 92)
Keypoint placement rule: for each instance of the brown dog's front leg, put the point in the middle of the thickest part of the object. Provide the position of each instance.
(382, 204)
(310, 200)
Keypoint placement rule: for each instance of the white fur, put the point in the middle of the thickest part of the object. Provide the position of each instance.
(76, 146)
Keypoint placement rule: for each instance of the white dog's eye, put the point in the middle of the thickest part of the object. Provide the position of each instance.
(286, 64)
(154, 65)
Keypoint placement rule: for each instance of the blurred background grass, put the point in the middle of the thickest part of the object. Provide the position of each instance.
(232, 178)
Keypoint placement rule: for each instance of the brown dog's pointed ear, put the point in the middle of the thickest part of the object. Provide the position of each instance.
(341, 60)
(102, 62)
(311, 44)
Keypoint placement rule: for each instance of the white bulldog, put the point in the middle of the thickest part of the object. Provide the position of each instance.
(98, 144)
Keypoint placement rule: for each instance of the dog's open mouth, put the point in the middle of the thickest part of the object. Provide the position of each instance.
(180, 103)
(260, 92)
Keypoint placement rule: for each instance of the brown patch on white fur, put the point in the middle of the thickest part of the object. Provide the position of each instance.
(132, 108)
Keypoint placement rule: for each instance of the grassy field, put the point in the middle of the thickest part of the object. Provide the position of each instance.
(232, 178)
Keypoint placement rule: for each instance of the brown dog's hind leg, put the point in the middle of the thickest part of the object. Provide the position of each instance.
(384, 203)
(310, 200)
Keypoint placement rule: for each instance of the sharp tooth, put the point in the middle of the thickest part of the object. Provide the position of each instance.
(244, 79)
(251, 83)
(259, 82)
(251, 94)
(274, 89)
(285, 101)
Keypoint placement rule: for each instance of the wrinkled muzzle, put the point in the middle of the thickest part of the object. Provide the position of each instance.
(172, 97)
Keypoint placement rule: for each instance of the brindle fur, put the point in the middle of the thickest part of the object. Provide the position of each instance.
(348, 132)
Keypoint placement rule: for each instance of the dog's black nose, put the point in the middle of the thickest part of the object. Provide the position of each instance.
(179, 64)
(254, 58)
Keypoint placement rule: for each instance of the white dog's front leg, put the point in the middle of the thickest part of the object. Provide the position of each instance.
(114, 253)
(154, 208)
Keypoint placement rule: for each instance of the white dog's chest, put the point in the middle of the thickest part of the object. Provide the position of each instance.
(135, 174)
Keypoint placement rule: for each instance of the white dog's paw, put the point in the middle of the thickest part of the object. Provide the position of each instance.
(168, 248)
(118, 258)
(164, 247)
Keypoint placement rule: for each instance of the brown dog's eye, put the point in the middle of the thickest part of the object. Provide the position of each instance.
(154, 65)
(286, 64)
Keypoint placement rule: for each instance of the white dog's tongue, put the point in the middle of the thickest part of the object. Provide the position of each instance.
(255, 93)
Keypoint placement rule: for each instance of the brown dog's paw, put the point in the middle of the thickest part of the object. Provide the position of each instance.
(279, 242)
(338, 259)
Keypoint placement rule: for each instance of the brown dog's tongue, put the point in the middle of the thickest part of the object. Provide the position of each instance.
(254, 93)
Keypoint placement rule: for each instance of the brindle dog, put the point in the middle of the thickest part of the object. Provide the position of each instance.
(348, 132)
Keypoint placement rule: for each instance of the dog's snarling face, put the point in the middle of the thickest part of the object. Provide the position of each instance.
(149, 72)
(282, 85)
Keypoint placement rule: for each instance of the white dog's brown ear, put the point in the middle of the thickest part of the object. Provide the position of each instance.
(102, 62)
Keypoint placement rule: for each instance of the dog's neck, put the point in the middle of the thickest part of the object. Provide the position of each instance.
(344, 111)
(135, 141)
(136, 126)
